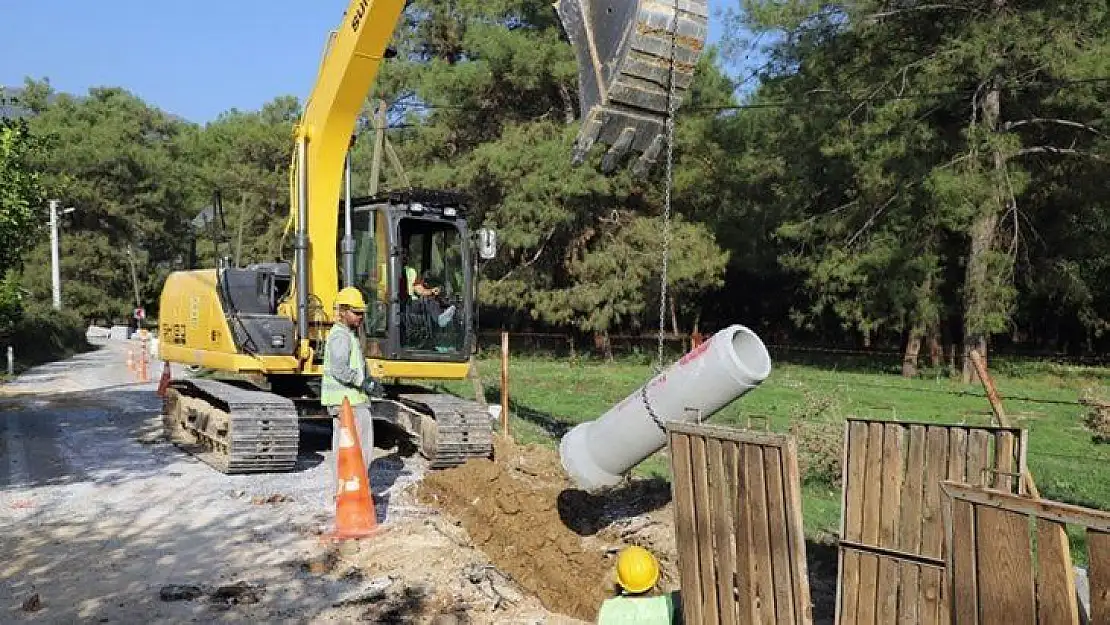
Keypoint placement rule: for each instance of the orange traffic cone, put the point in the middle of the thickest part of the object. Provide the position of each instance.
(164, 382)
(354, 508)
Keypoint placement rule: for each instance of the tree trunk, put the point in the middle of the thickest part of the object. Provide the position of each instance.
(674, 319)
(913, 348)
(936, 348)
(977, 291)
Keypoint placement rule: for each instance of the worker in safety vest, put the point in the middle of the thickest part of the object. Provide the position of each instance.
(637, 574)
(345, 374)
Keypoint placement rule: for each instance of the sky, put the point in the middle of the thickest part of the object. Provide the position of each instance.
(195, 59)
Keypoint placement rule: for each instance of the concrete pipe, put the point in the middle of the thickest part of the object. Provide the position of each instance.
(596, 454)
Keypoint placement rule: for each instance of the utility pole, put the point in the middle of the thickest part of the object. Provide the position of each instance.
(379, 141)
(55, 267)
(134, 277)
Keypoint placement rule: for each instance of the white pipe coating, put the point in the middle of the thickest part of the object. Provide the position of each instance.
(596, 454)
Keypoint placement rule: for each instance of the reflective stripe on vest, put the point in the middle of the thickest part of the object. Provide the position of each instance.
(332, 391)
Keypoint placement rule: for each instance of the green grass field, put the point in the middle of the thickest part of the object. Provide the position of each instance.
(549, 395)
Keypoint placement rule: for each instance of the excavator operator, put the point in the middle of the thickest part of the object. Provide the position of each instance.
(345, 375)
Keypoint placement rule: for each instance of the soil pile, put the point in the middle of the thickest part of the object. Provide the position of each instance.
(511, 509)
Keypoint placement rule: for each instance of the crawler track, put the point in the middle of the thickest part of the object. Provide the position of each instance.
(451, 430)
(234, 430)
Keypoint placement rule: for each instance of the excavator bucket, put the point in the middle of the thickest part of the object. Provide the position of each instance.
(629, 51)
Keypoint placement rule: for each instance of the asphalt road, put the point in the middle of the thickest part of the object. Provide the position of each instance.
(98, 514)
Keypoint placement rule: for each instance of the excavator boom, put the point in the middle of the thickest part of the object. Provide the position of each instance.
(633, 56)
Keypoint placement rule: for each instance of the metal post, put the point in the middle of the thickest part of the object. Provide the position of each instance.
(11, 361)
(55, 270)
(300, 240)
(348, 245)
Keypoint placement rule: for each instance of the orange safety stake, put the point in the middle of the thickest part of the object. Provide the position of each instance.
(143, 377)
(164, 382)
(354, 508)
(131, 360)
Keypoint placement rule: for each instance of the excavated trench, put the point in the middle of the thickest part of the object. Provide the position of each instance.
(555, 541)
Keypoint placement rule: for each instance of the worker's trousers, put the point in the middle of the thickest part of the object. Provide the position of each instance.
(365, 424)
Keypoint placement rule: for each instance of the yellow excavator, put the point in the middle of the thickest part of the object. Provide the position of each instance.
(264, 324)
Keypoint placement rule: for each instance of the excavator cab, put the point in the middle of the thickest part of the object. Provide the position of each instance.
(411, 263)
(636, 62)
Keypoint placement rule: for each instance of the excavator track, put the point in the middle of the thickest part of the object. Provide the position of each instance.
(232, 429)
(452, 430)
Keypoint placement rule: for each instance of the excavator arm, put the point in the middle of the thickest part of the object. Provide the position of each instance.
(636, 61)
(349, 68)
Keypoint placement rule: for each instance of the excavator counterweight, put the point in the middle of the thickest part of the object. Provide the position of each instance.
(626, 52)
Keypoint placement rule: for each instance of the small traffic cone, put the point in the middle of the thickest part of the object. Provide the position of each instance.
(354, 507)
(164, 381)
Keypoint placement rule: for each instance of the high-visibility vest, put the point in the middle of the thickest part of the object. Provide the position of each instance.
(332, 391)
(658, 610)
(410, 282)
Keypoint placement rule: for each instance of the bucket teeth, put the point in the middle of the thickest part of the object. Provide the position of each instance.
(625, 50)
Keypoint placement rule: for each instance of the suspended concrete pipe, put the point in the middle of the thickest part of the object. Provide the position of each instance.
(596, 454)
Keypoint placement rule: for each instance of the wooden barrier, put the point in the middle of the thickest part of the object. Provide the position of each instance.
(994, 572)
(738, 526)
(891, 553)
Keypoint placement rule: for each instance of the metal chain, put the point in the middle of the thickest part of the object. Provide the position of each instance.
(668, 187)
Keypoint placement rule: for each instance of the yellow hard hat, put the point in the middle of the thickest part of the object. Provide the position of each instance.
(351, 298)
(637, 570)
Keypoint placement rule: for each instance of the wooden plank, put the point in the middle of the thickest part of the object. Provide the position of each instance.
(742, 528)
(726, 433)
(1041, 508)
(872, 506)
(957, 471)
(962, 572)
(723, 489)
(889, 568)
(782, 580)
(764, 595)
(1004, 461)
(1006, 588)
(978, 457)
(682, 485)
(932, 529)
(986, 428)
(1056, 600)
(702, 527)
(803, 604)
(909, 539)
(1098, 559)
(855, 463)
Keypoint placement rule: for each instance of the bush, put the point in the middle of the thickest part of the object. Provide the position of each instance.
(818, 429)
(44, 335)
(1097, 419)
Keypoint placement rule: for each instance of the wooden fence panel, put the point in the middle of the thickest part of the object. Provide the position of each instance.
(996, 575)
(892, 540)
(738, 526)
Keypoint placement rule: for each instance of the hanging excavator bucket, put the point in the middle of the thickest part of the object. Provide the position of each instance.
(625, 50)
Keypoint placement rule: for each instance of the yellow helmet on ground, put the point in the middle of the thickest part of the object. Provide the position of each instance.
(637, 570)
(351, 298)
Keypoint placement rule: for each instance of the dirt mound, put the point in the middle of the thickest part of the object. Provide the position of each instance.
(511, 510)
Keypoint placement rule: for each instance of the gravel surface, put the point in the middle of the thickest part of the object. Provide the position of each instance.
(102, 521)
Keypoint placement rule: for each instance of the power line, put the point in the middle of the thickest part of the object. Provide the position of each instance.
(849, 99)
